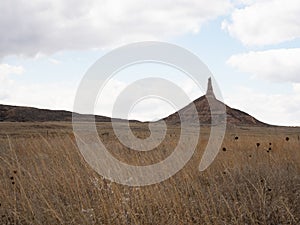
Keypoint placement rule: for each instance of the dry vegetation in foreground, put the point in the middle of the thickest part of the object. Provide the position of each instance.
(44, 180)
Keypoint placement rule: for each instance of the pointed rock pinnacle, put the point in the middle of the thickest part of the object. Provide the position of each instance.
(210, 91)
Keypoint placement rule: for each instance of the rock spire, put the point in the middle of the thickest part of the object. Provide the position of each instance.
(210, 91)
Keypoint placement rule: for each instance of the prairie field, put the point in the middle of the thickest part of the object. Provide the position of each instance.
(255, 179)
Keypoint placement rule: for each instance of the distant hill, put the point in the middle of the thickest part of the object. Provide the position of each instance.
(30, 114)
(234, 117)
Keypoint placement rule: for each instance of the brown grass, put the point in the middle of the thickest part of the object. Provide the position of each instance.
(45, 180)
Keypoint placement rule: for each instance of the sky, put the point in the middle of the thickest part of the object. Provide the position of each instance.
(251, 47)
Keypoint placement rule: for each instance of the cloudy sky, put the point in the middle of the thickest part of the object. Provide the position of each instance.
(252, 48)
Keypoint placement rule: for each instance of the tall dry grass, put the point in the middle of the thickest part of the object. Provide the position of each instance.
(45, 180)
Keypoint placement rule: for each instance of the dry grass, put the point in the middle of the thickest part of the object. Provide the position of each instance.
(44, 180)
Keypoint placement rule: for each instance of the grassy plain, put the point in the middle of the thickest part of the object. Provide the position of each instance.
(255, 179)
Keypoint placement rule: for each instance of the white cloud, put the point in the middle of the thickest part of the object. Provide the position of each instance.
(265, 22)
(5, 81)
(6, 70)
(276, 109)
(281, 65)
(296, 88)
(54, 61)
(243, 2)
(41, 95)
(32, 27)
(149, 108)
